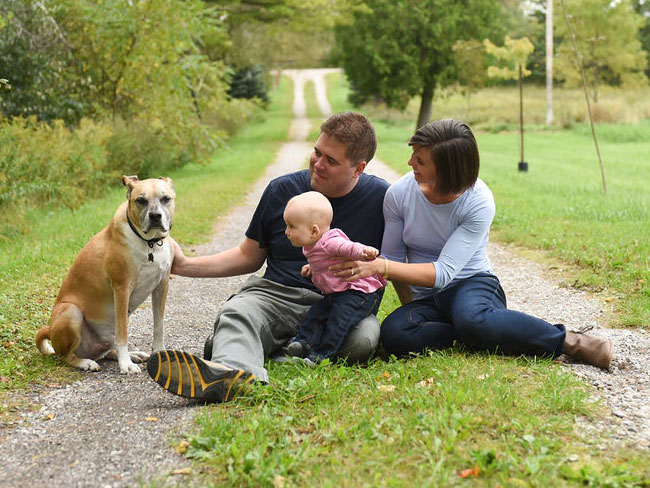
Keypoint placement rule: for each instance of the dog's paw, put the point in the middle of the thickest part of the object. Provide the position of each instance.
(138, 356)
(129, 368)
(88, 365)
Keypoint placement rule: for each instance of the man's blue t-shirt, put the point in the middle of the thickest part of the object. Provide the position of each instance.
(359, 214)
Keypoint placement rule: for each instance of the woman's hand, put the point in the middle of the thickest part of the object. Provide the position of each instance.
(353, 270)
(305, 272)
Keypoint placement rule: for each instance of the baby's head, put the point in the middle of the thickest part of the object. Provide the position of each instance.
(308, 216)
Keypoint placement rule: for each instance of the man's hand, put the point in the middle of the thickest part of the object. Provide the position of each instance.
(179, 257)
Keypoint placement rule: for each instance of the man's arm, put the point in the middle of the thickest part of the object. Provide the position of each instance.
(245, 258)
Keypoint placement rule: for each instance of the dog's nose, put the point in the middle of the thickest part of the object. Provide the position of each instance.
(155, 216)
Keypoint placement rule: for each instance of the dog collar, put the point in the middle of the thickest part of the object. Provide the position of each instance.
(150, 242)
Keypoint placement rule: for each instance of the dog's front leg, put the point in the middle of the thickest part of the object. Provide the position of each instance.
(158, 300)
(121, 301)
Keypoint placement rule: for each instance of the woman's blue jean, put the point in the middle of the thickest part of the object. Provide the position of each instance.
(474, 312)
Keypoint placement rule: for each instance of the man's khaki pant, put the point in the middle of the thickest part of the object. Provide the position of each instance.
(264, 316)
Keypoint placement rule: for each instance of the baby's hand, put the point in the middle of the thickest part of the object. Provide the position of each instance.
(369, 253)
(305, 272)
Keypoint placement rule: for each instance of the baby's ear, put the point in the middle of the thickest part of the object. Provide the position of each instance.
(315, 230)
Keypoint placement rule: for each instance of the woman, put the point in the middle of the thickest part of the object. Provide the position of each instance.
(438, 219)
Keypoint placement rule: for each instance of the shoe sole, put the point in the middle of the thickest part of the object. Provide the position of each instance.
(189, 376)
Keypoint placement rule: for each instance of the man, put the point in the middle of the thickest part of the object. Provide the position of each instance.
(265, 314)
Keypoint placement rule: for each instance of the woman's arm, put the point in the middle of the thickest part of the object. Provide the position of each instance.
(459, 248)
(419, 274)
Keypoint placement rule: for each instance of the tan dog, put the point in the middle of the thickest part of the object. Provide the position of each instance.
(113, 274)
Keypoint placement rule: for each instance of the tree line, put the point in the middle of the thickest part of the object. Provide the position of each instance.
(396, 50)
(91, 88)
(177, 59)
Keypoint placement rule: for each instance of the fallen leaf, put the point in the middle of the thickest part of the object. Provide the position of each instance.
(470, 472)
(4, 379)
(182, 446)
(278, 482)
(427, 382)
(152, 419)
(386, 388)
(49, 416)
(182, 471)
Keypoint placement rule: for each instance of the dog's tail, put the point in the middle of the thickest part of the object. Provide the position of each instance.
(43, 341)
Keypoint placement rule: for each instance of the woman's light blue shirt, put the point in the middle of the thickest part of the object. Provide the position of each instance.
(453, 236)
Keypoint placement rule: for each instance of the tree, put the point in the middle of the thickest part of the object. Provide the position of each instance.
(470, 60)
(280, 33)
(35, 57)
(396, 49)
(606, 35)
(515, 54)
(642, 7)
(70, 59)
(549, 62)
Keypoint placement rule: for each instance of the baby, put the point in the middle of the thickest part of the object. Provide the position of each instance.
(308, 217)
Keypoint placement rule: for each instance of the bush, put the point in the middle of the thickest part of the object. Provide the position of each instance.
(249, 82)
(136, 148)
(42, 164)
(232, 116)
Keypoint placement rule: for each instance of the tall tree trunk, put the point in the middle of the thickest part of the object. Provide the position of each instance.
(425, 105)
(549, 62)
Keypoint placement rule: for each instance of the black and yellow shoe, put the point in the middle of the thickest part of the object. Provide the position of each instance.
(189, 376)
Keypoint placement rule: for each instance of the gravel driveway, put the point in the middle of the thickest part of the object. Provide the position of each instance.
(112, 430)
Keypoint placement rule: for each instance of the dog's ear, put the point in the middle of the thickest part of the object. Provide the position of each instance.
(129, 181)
(169, 181)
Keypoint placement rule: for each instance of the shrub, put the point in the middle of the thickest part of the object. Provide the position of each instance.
(230, 117)
(249, 82)
(42, 164)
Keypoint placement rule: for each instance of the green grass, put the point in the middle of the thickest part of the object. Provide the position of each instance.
(559, 206)
(416, 422)
(33, 266)
(312, 110)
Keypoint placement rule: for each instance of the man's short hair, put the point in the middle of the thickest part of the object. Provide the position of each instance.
(454, 153)
(355, 132)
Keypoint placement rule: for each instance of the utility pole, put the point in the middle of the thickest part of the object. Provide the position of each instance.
(549, 62)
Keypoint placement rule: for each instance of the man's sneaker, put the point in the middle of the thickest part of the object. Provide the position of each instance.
(189, 376)
(207, 347)
(296, 350)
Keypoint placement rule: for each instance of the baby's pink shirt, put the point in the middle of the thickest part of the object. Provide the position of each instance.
(334, 243)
